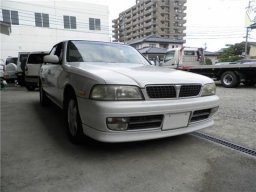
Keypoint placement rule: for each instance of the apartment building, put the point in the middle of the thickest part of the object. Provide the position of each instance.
(37, 25)
(165, 18)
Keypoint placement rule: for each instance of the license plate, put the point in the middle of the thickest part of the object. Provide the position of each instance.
(175, 120)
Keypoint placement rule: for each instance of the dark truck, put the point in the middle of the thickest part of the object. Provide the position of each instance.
(230, 75)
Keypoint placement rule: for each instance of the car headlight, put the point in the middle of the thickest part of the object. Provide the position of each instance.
(209, 89)
(116, 93)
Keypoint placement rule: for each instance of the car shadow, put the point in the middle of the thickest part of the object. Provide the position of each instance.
(52, 121)
(241, 86)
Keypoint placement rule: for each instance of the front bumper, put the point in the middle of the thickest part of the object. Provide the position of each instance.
(94, 114)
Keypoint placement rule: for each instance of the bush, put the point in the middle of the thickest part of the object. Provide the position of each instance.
(208, 61)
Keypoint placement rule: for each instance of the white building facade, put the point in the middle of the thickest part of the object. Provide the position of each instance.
(38, 25)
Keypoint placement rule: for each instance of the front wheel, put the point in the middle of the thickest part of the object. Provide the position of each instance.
(74, 125)
(229, 79)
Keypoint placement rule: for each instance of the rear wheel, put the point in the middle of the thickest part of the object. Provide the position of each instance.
(229, 79)
(74, 124)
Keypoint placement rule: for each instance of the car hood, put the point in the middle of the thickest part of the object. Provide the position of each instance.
(140, 75)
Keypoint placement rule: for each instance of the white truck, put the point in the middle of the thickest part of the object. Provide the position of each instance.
(193, 60)
(178, 57)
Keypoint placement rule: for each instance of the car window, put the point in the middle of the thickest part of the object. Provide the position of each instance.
(23, 57)
(36, 58)
(189, 52)
(11, 60)
(58, 51)
(83, 51)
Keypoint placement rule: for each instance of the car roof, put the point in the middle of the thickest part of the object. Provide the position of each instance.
(90, 41)
(39, 52)
(250, 63)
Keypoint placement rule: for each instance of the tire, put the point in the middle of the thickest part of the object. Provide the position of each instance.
(44, 100)
(30, 87)
(229, 79)
(74, 123)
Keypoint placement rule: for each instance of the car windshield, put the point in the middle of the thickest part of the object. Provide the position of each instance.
(169, 55)
(36, 58)
(84, 51)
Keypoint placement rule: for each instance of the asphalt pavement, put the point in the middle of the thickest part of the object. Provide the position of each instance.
(36, 155)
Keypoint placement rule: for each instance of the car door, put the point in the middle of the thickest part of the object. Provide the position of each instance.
(50, 73)
(54, 72)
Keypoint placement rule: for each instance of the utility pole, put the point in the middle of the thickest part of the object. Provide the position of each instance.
(246, 43)
(252, 26)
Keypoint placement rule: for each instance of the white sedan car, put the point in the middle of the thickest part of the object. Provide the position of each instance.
(111, 93)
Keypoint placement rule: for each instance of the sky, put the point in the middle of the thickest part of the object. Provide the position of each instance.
(211, 24)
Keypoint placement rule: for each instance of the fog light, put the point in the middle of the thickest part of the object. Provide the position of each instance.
(117, 123)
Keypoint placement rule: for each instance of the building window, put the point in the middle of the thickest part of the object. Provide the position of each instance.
(152, 45)
(11, 17)
(94, 24)
(69, 22)
(42, 20)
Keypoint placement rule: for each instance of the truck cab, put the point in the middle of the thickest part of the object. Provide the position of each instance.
(21, 63)
(182, 57)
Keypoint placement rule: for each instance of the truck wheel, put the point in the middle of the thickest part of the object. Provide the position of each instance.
(229, 79)
(74, 124)
(44, 100)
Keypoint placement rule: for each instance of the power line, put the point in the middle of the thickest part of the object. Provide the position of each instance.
(73, 30)
(63, 9)
(54, 20)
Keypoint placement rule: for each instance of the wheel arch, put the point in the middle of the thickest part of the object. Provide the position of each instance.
(237, 73)
(68, 92)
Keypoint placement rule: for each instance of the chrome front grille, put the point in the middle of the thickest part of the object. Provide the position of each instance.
(173, 91)
(189, 90)
(161, 91)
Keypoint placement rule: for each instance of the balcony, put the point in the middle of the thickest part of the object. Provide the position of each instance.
(128, 19)
(163, 4)
(148, 11)
(148, 24)
(180, 14)
(128, 24)
(135, 27)
(181, 28)
(148, 4)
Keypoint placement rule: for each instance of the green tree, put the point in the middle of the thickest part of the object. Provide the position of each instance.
(233, 53)
(208, 61)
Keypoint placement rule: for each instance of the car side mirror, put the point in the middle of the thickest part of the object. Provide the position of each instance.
(51, 59)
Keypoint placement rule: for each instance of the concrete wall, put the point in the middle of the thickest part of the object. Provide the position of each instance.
(147, 44)
(27, 37)
(252, 53)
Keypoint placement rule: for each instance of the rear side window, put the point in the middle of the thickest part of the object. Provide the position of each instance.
(189, 53)
(11, 60)
(36, 58)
